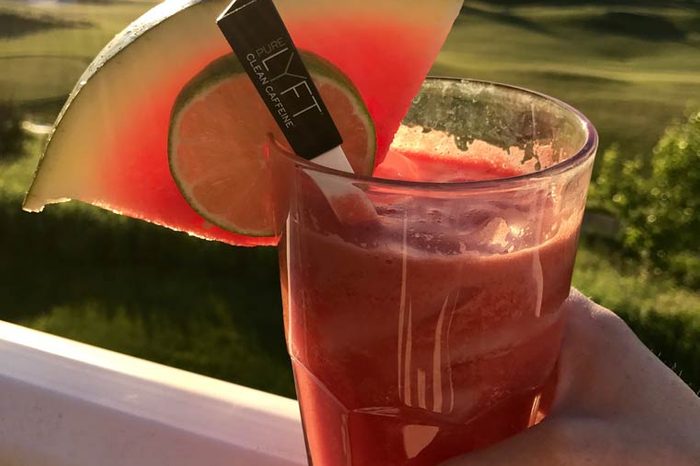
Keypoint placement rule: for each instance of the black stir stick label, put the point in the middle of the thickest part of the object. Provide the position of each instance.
(260, 40)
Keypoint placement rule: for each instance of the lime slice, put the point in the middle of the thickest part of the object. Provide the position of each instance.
(217, 142)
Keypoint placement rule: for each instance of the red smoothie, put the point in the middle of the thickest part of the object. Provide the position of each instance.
(430, 328)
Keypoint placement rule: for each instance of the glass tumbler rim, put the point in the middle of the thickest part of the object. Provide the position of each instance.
(585, 152)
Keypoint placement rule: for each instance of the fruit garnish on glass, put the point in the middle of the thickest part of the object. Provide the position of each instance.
(125, 121)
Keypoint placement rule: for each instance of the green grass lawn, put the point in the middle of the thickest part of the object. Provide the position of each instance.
(133, 287)
(46, 63)
(631, 87)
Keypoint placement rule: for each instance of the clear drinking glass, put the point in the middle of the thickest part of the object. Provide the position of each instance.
(423, 318)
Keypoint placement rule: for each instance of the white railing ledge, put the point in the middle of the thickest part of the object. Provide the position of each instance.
(64, 403)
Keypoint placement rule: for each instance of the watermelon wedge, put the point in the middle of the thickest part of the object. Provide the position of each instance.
(109, 146)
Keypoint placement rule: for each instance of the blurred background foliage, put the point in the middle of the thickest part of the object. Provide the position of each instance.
(657, 201)
(632, 66)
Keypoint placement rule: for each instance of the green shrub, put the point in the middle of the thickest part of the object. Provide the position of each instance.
(673, 219)
(658, 202)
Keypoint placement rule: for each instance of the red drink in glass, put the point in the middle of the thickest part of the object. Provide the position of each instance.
(423, 317)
